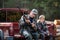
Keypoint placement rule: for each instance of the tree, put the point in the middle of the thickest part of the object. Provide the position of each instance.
(50, 8)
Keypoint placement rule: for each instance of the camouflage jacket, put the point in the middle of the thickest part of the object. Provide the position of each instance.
(23, 25)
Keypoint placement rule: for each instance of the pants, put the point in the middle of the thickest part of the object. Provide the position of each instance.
(45, 34)
(35, 35)
(29, 35)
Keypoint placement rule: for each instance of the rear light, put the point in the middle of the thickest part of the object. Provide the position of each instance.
(11, 31)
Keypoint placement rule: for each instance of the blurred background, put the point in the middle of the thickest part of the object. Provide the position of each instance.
(50, 8)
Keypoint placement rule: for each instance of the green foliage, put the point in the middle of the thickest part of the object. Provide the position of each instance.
(50, 8)
(13, 16)
(0, 3)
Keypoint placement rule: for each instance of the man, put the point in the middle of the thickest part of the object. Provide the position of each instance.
(28, 25)
(43, 30)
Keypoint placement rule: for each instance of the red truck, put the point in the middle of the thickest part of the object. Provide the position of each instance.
(11, 27)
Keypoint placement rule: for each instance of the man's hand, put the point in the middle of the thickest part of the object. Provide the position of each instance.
(27, 21)
(48, 32)
(33, 25)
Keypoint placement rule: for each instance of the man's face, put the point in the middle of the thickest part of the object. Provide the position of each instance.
(32, 15)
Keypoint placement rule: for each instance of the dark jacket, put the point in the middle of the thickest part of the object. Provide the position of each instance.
(42, 26)
(24, 26)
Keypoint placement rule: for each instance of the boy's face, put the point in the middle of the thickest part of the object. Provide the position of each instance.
(42, 19)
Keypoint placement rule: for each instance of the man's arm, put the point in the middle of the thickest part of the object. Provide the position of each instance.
(21, 21)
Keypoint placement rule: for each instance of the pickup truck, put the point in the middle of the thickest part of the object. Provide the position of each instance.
(11, 29)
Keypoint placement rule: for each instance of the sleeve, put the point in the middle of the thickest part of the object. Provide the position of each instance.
(38, 27)
(21, 21)
(46, 27)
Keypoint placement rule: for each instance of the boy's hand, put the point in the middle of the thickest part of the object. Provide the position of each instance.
(33, 25)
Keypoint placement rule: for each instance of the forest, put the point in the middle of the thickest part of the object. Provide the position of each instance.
(50, 8)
